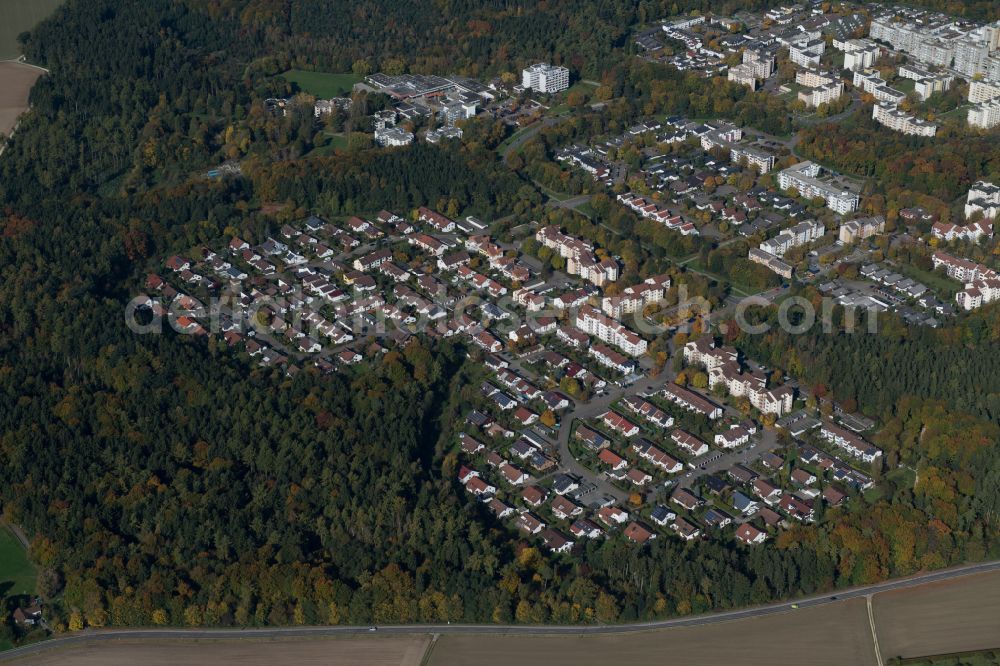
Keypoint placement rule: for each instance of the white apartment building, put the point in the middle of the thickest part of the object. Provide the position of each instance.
(393, 136)
(983, 198)
(868, 81)
(801, 234)
(862, 228)
(579, 256)
(545, 78)
(592, 321)
(744, 74)
(822, 95)
(978, 293)
(926, 83)
(985, 115)
(807, 53)
(980, 92)
(888, 115)
(760, 159)
(806, 178)
(770, 262)
(763, 62)
(636, 298)
(814, 78)
(887, 94)
(859, 54)
(962, 270)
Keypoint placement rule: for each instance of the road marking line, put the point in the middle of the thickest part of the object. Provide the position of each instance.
(871, 623)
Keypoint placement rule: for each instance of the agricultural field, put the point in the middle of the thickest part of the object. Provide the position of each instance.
(831, 634)
(17, 16)
(323, 85)
(16, 80)
(940, 618)
(373, 651)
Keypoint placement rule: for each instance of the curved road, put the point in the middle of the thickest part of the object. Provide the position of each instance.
(90, 636)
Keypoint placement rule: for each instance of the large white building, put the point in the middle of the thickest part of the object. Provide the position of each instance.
(926, 83)
(888, 115)
(985, 115)
(393, 136)
(806, 178)
(980, 92)
(545, 78)
(861, 228)
(941, 41)
(813, 97)
(983, 198)
(859, 54)
(592, 321)
(801, 234)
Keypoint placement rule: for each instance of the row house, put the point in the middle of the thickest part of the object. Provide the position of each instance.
(649, 411)
(689, 442)
(436, 220)
(854, 445)
(648, 451)
(691, 401)
(617, 422)
(609, 358)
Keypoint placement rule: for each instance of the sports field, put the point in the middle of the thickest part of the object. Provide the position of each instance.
(323, 85)
(17, 16)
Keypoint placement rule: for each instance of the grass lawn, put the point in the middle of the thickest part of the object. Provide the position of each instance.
(943, 287)
(17, 574)
(323, 85)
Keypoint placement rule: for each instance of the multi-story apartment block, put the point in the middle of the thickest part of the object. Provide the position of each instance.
(704, 352)
(926, 83)
(888, 115)
(760, 159)
(985, 115)
(806, 52)
(771, 262)
(801, 234)
(961, 269)
(753, 386)
(813, 97)
(763, 61)
(636, 298)
(745, 75)
(983, 198)
(939, 40)
(545, 78)
(978, 293)
(592, 321)
(579, 256)
(868, 81)
(862, 228)
(393, 136)
(859, 54)
(807, 179)
(980, 91)
(814, 78)
(887, 94)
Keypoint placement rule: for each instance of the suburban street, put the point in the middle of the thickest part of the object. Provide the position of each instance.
(180, 635)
